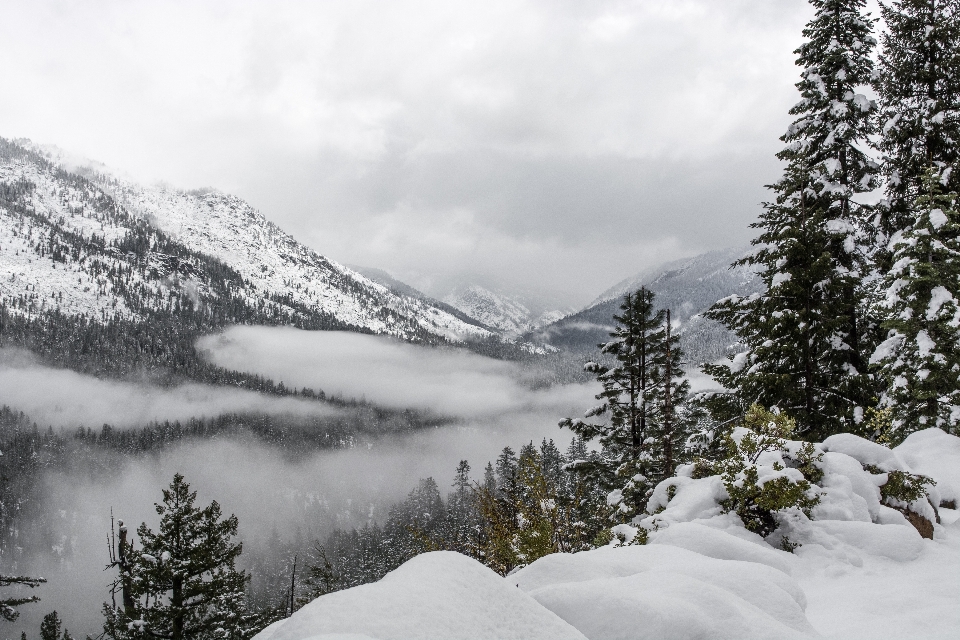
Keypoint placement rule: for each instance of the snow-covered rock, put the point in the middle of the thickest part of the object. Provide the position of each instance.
(935, 453)
(440, 595)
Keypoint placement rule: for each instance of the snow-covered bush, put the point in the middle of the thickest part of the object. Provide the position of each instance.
(759, 490)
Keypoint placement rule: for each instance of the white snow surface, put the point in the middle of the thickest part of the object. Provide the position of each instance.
(663, 592)
(442, 595)
(862, 571)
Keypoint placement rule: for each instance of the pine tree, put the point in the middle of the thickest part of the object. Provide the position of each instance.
(464, 528)
(536, 506)
(8, 606)
(50, 628)
(805, 337)
(919, 93)
(183, 578)
(919, 362)
(631, 462)
(671, 431)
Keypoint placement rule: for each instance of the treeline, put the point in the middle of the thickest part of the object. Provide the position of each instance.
(859, 327)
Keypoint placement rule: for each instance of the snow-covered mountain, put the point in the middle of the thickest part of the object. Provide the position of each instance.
(688, 287)
(91, 243)
(511, 315)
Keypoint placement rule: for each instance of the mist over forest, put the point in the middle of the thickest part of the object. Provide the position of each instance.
(460, 405)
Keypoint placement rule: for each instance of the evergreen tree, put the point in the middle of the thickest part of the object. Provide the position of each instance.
(674, 427)
(50, 628)
(919, 94)
(919, 362)
(183, 578)
(805, 336)
(8, 606)
(464, 527)
(536, 505)
(322, 577)
(631, 462)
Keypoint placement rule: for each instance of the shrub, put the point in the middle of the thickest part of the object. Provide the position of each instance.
(756, 492)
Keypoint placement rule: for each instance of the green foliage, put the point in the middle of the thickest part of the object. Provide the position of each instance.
(644, 394)
(905, 487)
(806, 460)
(758, 502)
(183, 580)
(758, 493)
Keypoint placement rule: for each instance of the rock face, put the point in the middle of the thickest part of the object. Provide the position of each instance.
(923, 526)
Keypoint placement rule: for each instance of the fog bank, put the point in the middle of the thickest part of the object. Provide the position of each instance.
(64, 398)
(386, 372)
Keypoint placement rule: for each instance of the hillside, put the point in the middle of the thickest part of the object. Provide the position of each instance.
(95, 245)
(688, 287)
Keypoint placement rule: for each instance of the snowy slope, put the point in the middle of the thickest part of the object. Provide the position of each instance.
(272, 264)
(862, 572)
(687, 287)
(504, 313)
(511, 315)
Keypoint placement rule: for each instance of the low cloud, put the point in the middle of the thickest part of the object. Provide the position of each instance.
(64, 398)
(298, 499)
(387, 372)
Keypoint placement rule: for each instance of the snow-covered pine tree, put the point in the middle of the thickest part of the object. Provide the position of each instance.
(183, 578)
(805, 347)
(463, 528)
(919, 362)
(673, 427)
(628, 467)
(918, 85)
(8, 606)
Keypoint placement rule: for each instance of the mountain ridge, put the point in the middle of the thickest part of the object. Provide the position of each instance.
(83, 222)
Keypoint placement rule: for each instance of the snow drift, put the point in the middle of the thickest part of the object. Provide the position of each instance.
(862, 570)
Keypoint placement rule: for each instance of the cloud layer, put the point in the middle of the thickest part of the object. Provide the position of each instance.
(385, 372)
(64, 398)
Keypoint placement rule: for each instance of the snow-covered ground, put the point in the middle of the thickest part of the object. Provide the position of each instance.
(702, 575)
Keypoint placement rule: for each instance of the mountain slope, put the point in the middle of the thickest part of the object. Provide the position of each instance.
(510, 315)
(688, 287)
(102, 247)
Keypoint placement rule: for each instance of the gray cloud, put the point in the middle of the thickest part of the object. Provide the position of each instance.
(556, 144)
(64, 398)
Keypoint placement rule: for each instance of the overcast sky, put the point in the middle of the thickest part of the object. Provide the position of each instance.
(555, 146)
